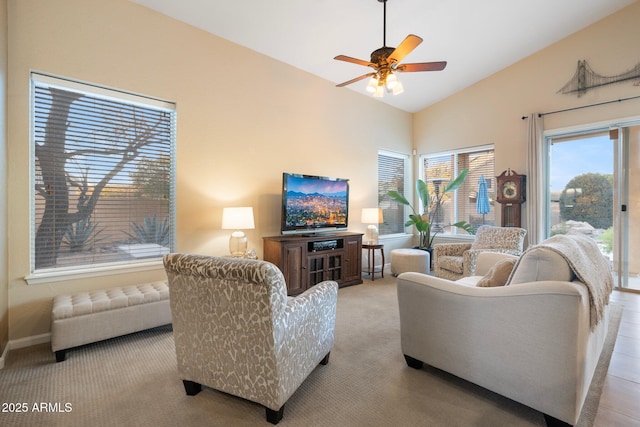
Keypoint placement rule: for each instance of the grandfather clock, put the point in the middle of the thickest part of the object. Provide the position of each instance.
(510, 193)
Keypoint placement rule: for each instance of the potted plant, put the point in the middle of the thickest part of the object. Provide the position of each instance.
(430, 207)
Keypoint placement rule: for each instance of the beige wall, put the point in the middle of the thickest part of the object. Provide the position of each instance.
(489, 112)
(243, 119)
(4, 291)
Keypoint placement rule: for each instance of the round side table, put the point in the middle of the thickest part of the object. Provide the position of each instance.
(371, 264)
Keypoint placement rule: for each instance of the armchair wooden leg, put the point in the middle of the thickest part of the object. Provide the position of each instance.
(413, 363)
(325, 360)
(192, 388)
(274, 417)
(61, 355)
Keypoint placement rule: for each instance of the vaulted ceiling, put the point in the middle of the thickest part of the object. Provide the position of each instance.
(476, 38)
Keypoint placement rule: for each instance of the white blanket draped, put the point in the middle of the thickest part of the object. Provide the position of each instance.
(588, 264)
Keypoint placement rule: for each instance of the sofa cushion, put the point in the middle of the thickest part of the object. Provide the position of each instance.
(540, 264)
(451, 263)
(498, 274)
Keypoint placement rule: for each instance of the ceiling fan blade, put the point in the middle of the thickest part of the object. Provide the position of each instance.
(357, 79)
(422, 66)
(354, 60)
(408, 44)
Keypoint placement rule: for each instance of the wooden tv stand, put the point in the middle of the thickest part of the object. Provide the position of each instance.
(306, 260)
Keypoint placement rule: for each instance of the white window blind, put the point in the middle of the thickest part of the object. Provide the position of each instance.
(461, 205)
(103, 176)
(392, 171)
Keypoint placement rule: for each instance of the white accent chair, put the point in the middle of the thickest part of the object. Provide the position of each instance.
(237, 331)
(530, 341)
(456, 260)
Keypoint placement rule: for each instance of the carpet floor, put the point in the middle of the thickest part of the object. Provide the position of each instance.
(133, 380)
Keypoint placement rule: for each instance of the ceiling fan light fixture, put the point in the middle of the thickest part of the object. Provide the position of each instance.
(387, 60)
(392, 81)
(373, 85)
(398, 89)
(379, 93)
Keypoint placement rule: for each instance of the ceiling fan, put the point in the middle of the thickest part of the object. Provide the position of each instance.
(386, 61)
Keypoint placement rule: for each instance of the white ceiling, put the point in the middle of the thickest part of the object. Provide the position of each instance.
(477, 38)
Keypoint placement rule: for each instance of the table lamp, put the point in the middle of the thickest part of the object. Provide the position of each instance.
(372, 216)
(237, 219)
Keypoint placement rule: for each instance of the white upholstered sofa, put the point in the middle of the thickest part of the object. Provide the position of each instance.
(536, 340)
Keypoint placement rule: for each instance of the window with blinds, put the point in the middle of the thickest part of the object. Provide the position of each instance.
(392, 171)
(103, 176)
(462, 205)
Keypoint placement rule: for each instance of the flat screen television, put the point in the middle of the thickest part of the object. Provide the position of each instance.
(314, 204)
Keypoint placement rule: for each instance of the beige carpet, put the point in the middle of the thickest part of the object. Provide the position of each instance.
(133, 380)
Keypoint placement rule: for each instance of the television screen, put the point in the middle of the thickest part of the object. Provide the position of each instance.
(314, 203)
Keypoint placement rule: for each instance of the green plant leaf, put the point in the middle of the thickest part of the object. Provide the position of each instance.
(82, 234)
(423, 222)
(151, 231)
(453, 185)
(414, 219)
(465, 226)
(423, 193)
(398, 198)
(423, 227)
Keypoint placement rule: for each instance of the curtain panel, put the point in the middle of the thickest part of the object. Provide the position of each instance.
(536, 170)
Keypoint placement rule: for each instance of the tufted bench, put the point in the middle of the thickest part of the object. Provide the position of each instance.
(88, 317)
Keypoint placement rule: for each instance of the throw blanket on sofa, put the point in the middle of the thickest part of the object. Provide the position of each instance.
(589, 266)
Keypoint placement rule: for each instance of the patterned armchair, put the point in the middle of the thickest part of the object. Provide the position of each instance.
(237, 331)
(453, 261)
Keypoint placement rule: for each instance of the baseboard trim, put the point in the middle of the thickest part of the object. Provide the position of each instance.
(29, 341)
(5, 353)
(22, 343)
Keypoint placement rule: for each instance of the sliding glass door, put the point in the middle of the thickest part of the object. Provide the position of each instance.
(593, 189)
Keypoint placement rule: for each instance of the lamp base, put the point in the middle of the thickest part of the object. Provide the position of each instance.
(372, 234)
(238, 244)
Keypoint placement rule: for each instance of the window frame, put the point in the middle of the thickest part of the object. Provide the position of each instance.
(456, 171)
(406, 174)
(46, 275)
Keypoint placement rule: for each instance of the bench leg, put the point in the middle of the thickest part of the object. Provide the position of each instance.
(61, 355)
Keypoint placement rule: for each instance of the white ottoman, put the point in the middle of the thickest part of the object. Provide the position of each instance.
(403, 260)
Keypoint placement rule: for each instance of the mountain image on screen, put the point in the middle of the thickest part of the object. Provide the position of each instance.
(312, 202)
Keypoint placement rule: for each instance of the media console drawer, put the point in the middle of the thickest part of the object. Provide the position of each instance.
(308, 260)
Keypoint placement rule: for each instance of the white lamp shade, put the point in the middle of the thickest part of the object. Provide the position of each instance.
(398, 89)
(373, 85)
(237, 218)
(392, 81)
(372, 216)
